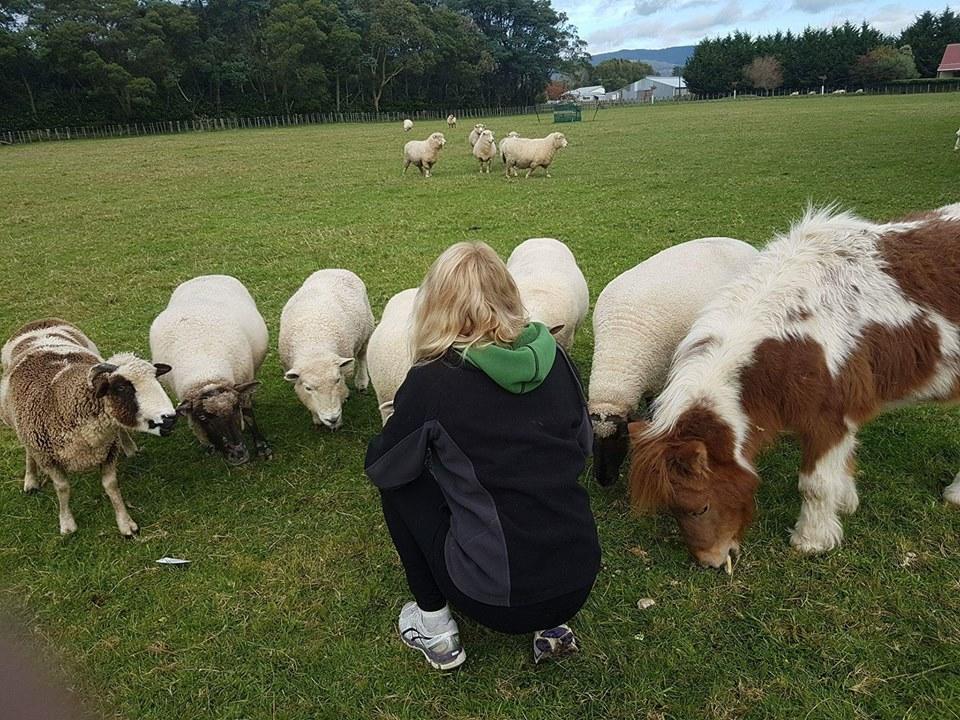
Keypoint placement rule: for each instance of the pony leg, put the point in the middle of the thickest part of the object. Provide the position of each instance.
(827, 490)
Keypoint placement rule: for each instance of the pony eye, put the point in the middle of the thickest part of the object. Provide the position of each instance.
(701, 511)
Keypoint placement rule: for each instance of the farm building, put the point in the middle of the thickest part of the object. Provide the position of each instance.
(656, 87)
(590, 93)
(950, 62)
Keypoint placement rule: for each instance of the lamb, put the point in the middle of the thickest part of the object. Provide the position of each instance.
(475, 133)
(324, 329)
(72, 410)
(451, 120)
(638, 322)
(423, 153)
(552, 287)
(388, 354)
(485, 150)
(407, 125)
(215, 338)
(525, 153)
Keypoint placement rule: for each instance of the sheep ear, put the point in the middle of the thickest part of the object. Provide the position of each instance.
(98, 379)
(291, 376)
(344, 363)
(246, 388)
(162, 368)
(555, 330)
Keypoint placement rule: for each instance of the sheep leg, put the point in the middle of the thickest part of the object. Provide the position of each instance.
(405, 166)
(31, 483)
(361, 376)
(67, 523)
(125, 524)
(259, 441)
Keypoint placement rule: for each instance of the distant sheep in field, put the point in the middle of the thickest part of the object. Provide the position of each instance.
(841, 91)
(552, 286)
(388, 353)
(407, 125)
(638, 321)
(215, 338)
(485, 150)
(73, 412)
(451, 120)
(423, 153)
(324, 329)
(956, 145)
(475, 133)
(530, 154)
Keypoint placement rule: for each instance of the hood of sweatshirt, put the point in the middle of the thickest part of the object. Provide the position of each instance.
(521, 367)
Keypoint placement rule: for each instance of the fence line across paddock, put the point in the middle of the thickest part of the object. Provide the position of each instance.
(544, 112)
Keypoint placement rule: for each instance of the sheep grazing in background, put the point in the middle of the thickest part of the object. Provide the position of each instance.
(72, 411)
(511, 136)
(485, 150)
(324, 329)
(837, 320)
(552, 287)
(215, 338)
(423, 153)
(638, 321)
(388, 353)
(475, 133)
(451, 120)
(529, 154)
(407, 125)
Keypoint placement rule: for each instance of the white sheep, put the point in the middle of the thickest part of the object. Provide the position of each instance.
(73, 412)
(527, 153)
(956, 145)
(407, 125)
(324, 329)
(423, 153)
(215, 338)
(552, 287)
(475, 134)
(511, 136)
(638, 321)
(451, 120)
(485, 150)
(388, 353)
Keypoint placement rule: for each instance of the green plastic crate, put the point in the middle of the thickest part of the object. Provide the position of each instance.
(569, 112)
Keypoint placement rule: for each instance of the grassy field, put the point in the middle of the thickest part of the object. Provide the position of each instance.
(289, 608)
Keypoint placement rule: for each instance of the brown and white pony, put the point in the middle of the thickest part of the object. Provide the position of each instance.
(837, 320)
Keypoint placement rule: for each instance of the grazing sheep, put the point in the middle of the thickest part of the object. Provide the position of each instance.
(524, 153)
(638, 321)
(423, 153)
(388, 353)
(407, 125)
(72, 411)
(552, 287)
(214, 337)
(475, 133)
(841, 91)
(795, 93)
(485, 150)
(324, 329)
(451, 120)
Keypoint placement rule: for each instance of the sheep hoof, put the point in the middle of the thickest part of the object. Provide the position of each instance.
(30, 486)
(128, 529)
(68, 526)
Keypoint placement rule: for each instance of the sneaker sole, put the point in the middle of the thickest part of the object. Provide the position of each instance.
(452, 665)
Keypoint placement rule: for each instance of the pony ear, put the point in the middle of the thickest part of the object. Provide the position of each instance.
(246, 388)
(690, 457)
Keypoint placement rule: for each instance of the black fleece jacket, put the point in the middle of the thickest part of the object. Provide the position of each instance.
(521, 528)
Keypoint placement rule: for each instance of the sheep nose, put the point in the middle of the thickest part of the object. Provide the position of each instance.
(237, 454)
(166, 424)
(332, 421)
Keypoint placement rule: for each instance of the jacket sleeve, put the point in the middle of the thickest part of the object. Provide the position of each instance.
(398, 454)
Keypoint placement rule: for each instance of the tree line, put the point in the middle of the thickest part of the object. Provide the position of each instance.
(89, 61)
(840, 56)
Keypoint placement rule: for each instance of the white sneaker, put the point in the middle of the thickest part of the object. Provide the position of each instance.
(554, 643)
(438, 640)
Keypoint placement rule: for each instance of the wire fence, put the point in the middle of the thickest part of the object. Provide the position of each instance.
(212, 124)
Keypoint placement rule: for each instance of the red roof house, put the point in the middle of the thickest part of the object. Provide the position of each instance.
(950, 64)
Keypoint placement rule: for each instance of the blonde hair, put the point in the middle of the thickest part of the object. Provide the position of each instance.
(467, 298)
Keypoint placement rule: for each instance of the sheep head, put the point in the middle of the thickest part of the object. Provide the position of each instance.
(559, 140)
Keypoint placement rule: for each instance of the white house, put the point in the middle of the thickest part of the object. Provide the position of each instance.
(656, 87)
(590, 93)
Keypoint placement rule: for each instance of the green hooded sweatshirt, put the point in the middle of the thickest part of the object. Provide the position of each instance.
(522, 367)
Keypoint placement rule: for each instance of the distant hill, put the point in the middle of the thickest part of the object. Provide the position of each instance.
(659, 59)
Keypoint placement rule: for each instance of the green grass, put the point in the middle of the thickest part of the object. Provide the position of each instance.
(288, 609)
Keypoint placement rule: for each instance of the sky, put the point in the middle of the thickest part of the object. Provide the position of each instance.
(615, 24)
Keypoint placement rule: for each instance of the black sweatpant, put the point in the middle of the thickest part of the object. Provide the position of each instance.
(418, 519)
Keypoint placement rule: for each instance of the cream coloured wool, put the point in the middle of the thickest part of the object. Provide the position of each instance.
(451, 121)
(552, 286)
(324, 329)
(407, 125)
(530, 154)
(475, 133)
(423, 153)
(388, 353)
(485, 150)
